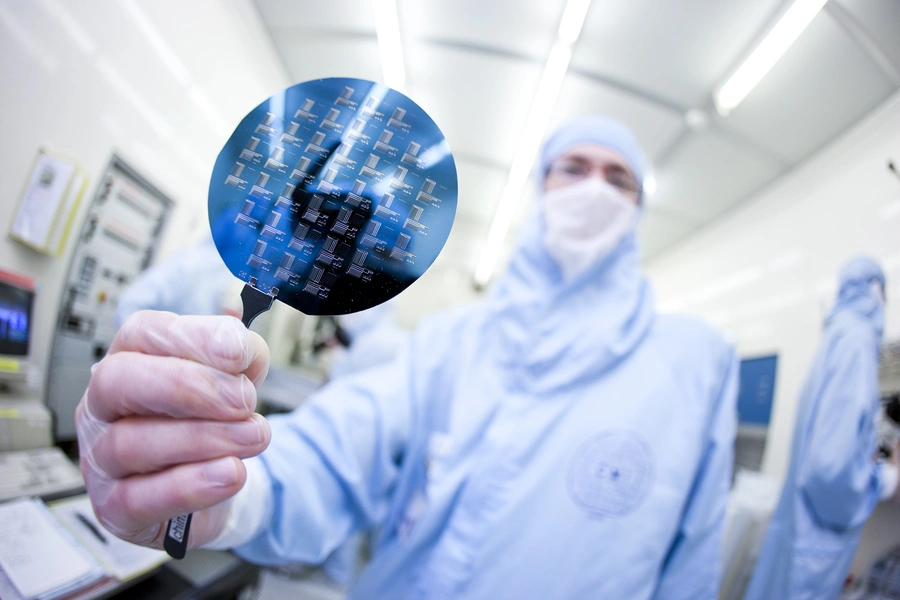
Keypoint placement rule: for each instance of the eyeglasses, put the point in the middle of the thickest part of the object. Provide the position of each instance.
(576, 170)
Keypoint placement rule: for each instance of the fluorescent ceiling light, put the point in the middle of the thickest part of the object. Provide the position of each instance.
(572, 20)
(766, 54)
(526, 153)
(509, 198)
(532, 134)
(539, 115)
(387, 27)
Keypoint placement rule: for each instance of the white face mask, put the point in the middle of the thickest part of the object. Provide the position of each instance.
(584, 222)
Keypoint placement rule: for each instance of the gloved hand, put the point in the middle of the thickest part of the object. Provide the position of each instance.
(166, 417)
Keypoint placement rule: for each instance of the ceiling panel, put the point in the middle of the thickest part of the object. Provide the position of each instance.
(881, 20)
(314, 56)
(708, 173)
(479, 101)
(334, 15)
(675, 50)
(823, 84)
(515, 26)
(659, 230)
(654, 125)
(474, 67)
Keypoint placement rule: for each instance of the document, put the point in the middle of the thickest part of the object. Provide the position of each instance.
(37, 555)
(44, 193)
(122, 559)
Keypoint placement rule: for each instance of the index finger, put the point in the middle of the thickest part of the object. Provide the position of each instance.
(217, 341)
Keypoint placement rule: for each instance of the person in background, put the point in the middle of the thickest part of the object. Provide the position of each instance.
(192, 281)
(834, 482)
(373, 338)
(559, 440)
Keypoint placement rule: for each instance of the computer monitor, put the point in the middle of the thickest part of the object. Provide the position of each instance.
(16, 304)
(755, 395)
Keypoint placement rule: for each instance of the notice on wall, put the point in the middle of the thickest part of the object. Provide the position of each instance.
(48, 203)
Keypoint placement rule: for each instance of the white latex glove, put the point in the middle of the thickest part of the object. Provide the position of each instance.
(166, 418)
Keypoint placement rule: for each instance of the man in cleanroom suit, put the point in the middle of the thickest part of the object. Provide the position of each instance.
(559, 440)
(834, 482)
(193, 281)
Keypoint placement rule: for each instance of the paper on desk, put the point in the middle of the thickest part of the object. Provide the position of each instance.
(36, 555)
(91, 588)
(122, 559)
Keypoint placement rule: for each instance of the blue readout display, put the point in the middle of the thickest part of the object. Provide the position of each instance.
(757, 389)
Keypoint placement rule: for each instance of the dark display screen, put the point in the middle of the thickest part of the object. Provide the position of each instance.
(15, 319)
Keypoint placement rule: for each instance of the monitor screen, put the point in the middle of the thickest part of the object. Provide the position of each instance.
(757, 390)
(16, 299)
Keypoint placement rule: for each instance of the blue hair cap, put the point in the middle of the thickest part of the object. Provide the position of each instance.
(595, 129)
(856, 295)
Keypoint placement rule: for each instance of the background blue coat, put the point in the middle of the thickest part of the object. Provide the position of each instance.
(833, 483)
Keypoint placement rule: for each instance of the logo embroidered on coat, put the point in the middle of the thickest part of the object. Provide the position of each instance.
(611, 474)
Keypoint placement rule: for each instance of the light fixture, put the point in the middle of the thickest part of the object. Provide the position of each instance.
(649, 184)
(497, 233)
(572, 20)
(696, 119)
(387, 28)
(533, 131)
(766, 54)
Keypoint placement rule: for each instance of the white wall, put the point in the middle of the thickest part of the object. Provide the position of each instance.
(766, 273)
(163, 82)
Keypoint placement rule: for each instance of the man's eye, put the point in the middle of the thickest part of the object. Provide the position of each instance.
(572, 169)
(621, 182)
